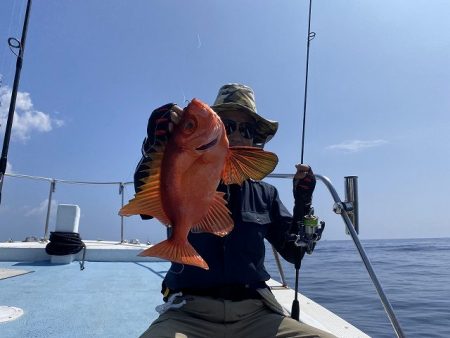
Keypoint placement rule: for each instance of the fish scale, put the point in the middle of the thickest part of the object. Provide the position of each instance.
(183, 175)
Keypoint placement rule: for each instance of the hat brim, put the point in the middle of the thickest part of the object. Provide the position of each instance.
(265, 129)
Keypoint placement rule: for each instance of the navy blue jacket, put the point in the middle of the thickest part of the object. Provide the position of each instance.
(258, 214)
(238, 258)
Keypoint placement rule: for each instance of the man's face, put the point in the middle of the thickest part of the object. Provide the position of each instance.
(240, 128)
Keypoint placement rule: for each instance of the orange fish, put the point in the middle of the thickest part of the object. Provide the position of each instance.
(180, 189)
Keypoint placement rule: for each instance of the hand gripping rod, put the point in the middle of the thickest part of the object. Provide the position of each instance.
(387, 306)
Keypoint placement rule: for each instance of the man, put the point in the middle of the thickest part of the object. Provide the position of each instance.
(231, 299)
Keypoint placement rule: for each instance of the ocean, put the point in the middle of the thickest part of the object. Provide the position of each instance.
(414, 274)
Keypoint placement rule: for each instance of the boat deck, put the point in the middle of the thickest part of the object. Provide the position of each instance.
(106, 299)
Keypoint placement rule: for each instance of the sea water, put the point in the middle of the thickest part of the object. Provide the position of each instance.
(414, 274)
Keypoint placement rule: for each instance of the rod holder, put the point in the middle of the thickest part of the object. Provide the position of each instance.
(49, 207)
(344, 214)
(121, 192)
(351, 197)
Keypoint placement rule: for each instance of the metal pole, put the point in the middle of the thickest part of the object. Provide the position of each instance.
(49, 207)
(12, 104)
(121, 189)
(351, 195)
(280, 267)
(387, 306)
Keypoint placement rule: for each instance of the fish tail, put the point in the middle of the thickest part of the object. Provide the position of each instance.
(183, 253)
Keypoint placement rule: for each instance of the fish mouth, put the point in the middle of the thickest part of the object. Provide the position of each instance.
(208, 145)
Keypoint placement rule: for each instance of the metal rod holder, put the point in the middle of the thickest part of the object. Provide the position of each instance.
(387, 306)
(279, 266)
(49, 207)
(121, 192)
(351, 196)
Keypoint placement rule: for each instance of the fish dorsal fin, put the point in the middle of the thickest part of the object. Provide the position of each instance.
(217, 221)
(148, 200)
(248, 162)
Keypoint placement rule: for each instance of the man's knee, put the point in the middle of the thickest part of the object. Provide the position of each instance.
(162, 327)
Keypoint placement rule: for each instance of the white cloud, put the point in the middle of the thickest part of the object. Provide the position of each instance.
(354, 146)
(26, 119)
(23, 100)
(42, 209)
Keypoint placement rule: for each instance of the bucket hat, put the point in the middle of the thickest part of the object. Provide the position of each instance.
(238, 97)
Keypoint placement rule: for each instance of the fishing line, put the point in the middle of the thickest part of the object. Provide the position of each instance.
(185, 100)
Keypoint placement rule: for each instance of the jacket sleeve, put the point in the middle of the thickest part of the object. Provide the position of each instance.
(281, 232)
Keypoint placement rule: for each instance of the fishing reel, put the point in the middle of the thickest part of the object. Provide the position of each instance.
(310, 232)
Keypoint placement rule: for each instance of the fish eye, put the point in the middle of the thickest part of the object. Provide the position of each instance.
(189, 126)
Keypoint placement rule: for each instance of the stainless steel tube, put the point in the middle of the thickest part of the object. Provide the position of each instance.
(49, 207)
(121, 192)
(387, 306)
(351, 195)
(280, 267)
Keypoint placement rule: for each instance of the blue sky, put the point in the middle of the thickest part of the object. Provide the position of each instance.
(378, 101)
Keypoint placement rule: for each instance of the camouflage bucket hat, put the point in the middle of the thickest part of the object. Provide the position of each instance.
(238, 97)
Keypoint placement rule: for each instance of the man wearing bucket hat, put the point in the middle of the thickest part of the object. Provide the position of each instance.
(240, 99)
(231, 299)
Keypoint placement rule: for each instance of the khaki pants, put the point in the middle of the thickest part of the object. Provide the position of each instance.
(204, 317)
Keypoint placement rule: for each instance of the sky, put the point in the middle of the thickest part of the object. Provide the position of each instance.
(378, 102)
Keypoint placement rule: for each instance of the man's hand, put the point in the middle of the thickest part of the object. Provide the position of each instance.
(176, 114)
(304, 183)
(304, 178)
(160, 125)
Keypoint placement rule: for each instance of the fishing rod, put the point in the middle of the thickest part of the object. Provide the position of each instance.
(310, 231)
(311, 36)
(20, 45)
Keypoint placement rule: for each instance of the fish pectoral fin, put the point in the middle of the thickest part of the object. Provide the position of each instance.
(148, 200)
(148, 203)
(180, 253)
(218, 220)
(248, 162)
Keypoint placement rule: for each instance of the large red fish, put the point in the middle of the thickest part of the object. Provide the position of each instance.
(180, 190)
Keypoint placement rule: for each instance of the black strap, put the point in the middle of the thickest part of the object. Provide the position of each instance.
(233, 292)
(66, 243)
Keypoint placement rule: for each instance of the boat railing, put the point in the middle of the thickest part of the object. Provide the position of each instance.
(348, 210)
(54, 181)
